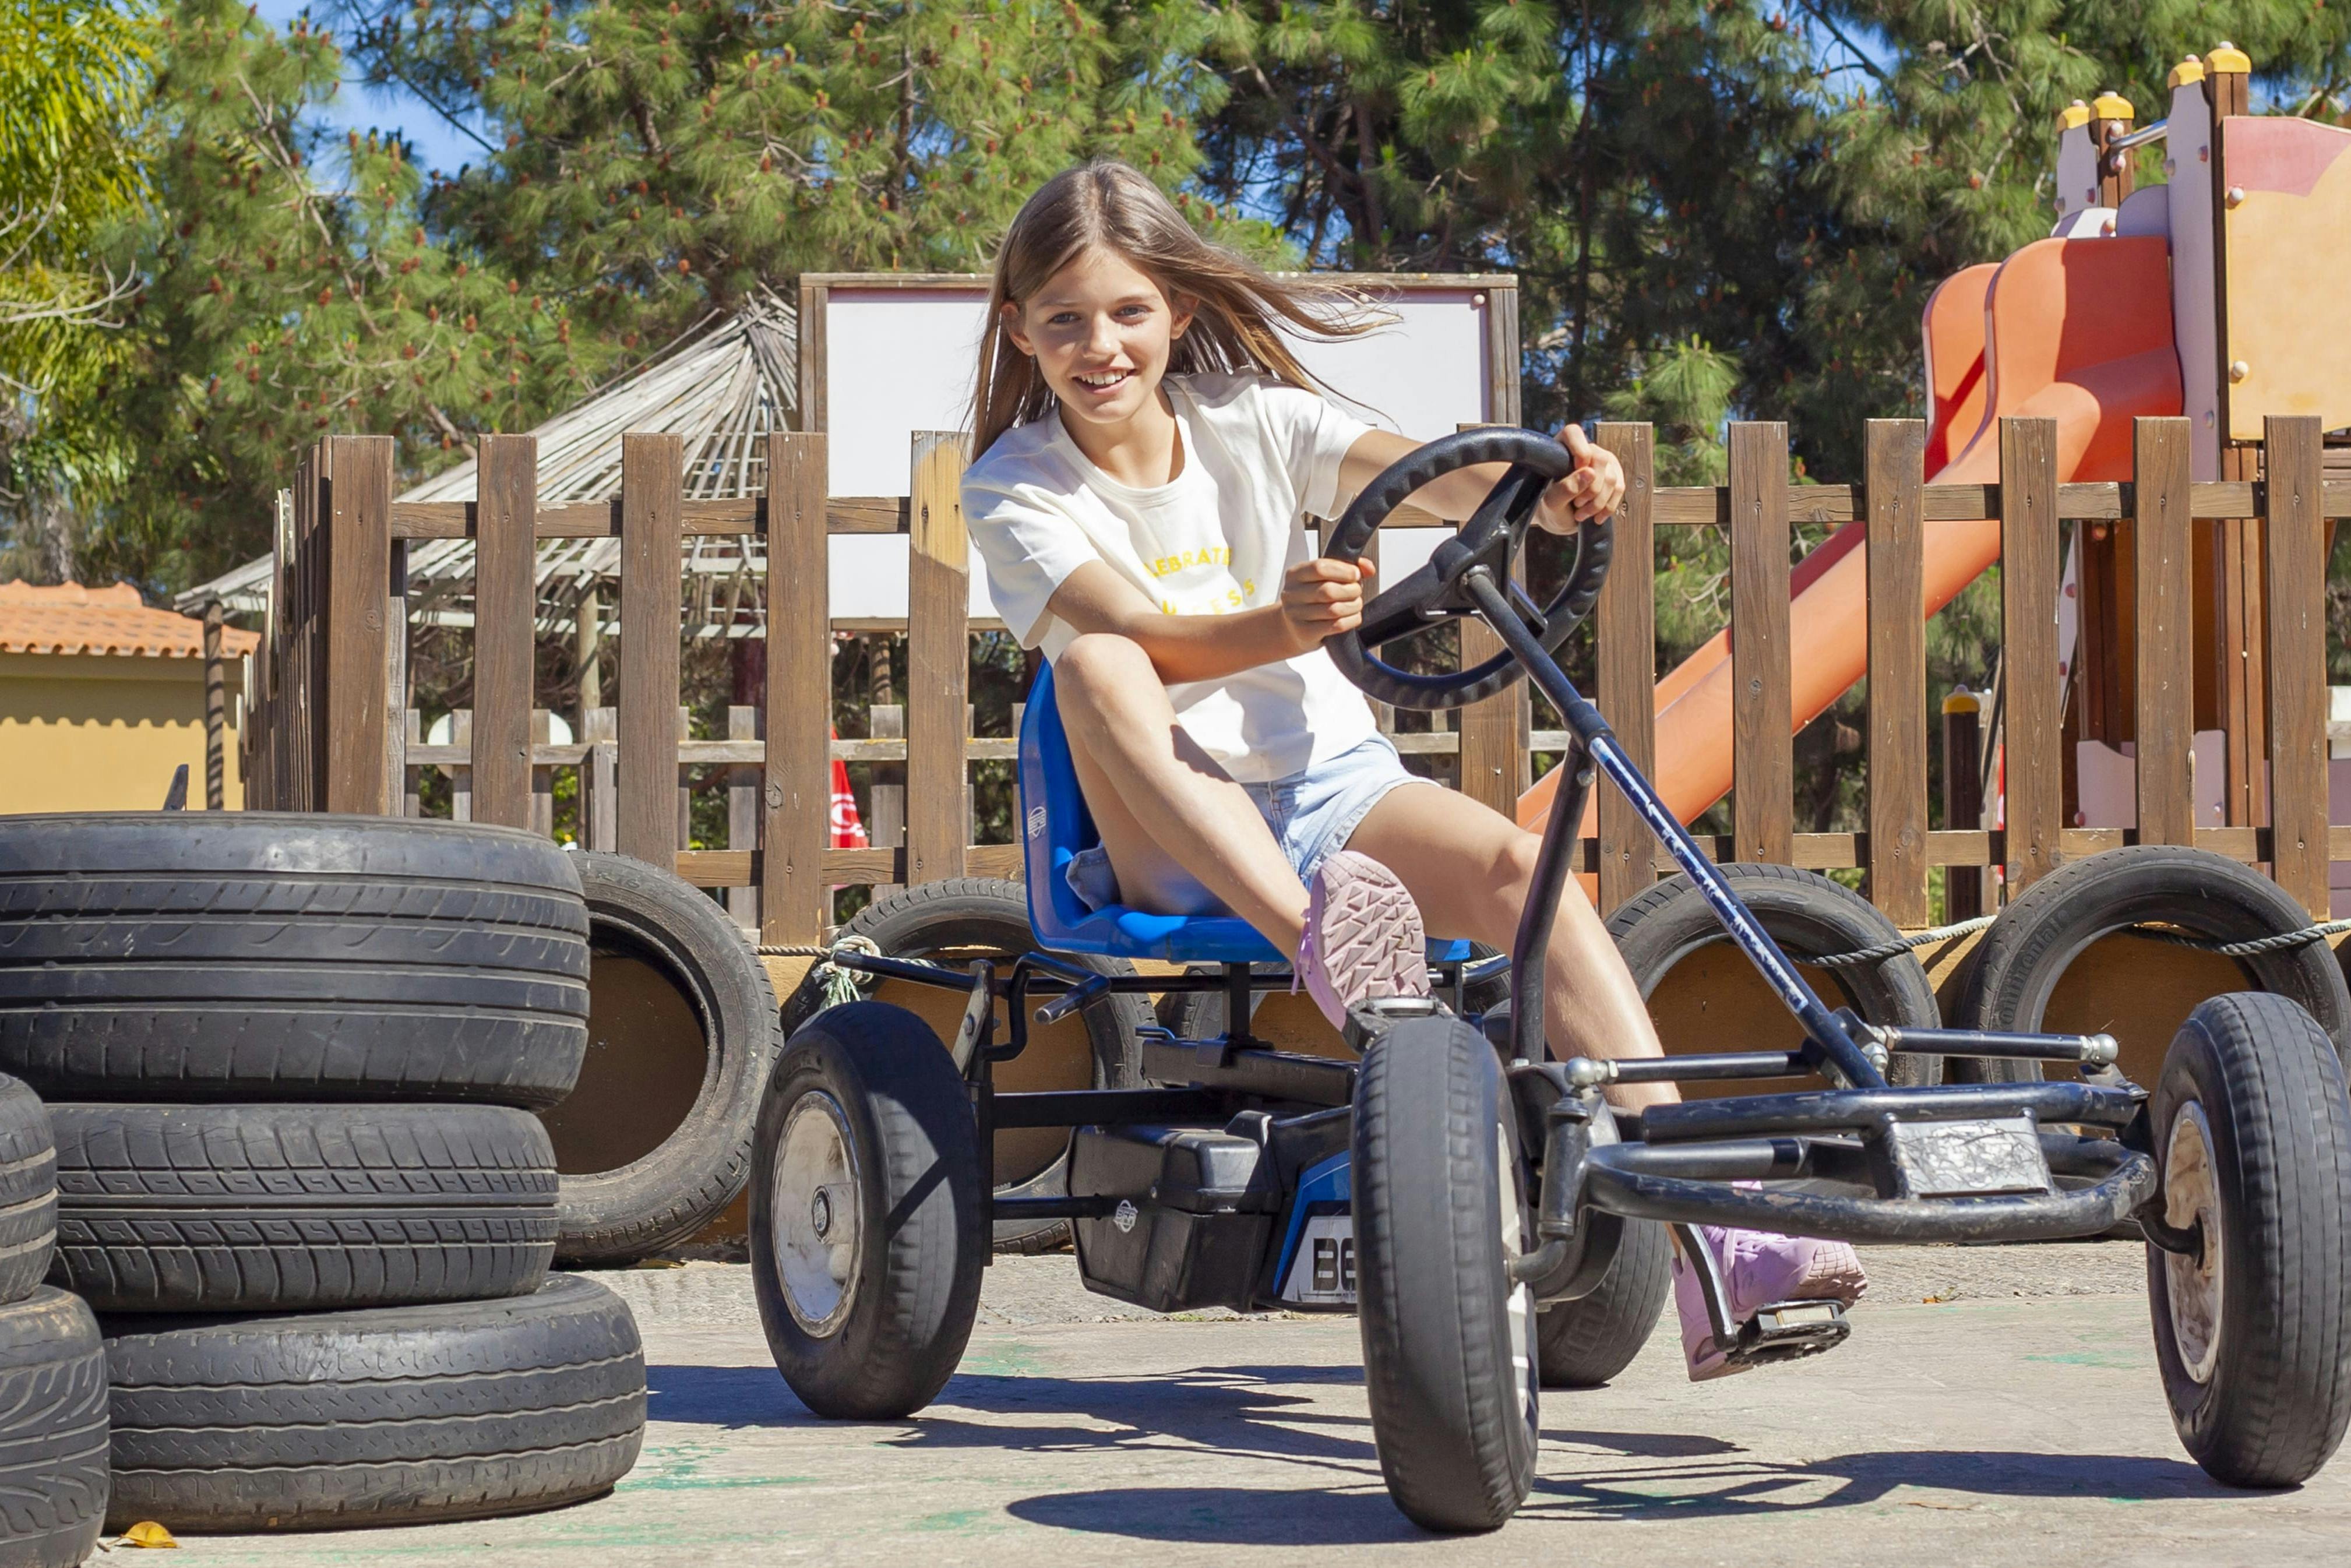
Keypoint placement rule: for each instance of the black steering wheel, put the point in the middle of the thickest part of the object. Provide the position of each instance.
(1489, 541)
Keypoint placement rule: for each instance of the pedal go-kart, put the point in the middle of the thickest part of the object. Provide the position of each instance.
(1481, 1207)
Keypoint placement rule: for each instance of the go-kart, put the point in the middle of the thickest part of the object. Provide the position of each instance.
(1496, 1225)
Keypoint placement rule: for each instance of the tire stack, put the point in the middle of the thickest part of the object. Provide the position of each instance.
(52, 1366)
(291, 1065)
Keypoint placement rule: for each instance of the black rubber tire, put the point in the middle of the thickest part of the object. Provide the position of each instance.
(229, 1209)
(666, 1195)
(396, 1415)
(955, 920)
(1449, 1359)
(180, 955)
(53, 1445)
(2275, 1395)
(1809, 917)
(879, 1079)
(2028, 949)
(29, 1192)
(1584, 1342)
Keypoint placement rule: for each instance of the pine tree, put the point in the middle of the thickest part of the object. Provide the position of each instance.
(291, 291)
(653, 159)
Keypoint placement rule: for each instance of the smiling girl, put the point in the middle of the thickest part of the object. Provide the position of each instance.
(1146, 450)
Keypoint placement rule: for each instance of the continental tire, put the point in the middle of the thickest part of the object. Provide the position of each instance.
(1440, 1213)
(28, 1190)
(956, 920)
(866, 1246)
(241, 956)
(683, 1032)
(52, 1480)
(216, 1208)
(1810, 917)
(2254, 1333)
(398, 1416)
(2037, 937)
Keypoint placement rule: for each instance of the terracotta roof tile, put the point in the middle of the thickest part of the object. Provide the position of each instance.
(72, 619)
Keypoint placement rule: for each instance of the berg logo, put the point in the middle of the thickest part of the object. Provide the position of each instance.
(1036, 821)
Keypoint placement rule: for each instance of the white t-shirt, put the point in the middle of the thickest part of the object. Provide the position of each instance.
(1259, 456)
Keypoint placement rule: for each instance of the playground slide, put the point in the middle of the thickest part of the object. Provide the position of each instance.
(2078, 330)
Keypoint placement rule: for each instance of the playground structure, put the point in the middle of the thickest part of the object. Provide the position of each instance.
(2198, 299)
(2068, 417)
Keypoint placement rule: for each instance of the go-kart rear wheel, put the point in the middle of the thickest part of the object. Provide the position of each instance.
(2254, 1333)
(866, 1242)
(1440, 1211)
(1583, 1342)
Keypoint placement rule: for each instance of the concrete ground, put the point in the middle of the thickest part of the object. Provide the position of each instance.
(1994, 1406)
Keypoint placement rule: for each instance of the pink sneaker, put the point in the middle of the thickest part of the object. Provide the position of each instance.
(1362, 937)
(1758, 1269)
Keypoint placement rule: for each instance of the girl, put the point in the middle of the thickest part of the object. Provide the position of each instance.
(1144, 446)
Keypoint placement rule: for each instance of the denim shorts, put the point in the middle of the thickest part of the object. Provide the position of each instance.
(1311, 812)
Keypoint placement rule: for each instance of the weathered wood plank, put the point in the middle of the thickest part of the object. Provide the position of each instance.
(2034, 698)
(795, 900)
(1628, 661)
(1897, 669)
(2296, 592)
(506, 560)
(1762, 799)
(652, 471)
(2165, 662)
(938, 651)
(358, 537)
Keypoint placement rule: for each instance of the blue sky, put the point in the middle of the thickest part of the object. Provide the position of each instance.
(360, 106)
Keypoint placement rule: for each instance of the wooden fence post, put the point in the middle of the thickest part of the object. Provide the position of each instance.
(2295, 531)
(1963, 885)
(216, 713)
(1628, 662)
(506, 560)
(939, 656)
(1897, 564)
(795, 900)
(359, 560)
(1762, 767)
(2034, 698)
(2167, 644)
(651, 483)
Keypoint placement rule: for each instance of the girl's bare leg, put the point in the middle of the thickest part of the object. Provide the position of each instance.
(1470, 869)
(1148, 785)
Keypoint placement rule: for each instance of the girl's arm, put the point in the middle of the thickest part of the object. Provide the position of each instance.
(1593, 490)
(1320, 598)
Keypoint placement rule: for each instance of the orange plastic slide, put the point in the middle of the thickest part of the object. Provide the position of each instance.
(2078, 330)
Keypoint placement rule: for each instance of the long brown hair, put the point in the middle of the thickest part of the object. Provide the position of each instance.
(1115, 204)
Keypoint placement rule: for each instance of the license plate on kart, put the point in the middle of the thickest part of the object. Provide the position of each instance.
(1323, 1272)
(1968, 1159)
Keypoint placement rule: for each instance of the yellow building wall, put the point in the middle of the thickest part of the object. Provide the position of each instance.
(104, 732)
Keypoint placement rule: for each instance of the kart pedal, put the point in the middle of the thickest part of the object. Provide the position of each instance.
(1789, 1330)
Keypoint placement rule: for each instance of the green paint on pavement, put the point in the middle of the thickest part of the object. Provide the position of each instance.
(679, 1467)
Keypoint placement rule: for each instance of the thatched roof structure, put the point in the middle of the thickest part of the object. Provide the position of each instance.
(723, 386)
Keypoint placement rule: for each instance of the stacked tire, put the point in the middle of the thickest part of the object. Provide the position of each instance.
(292, 1066)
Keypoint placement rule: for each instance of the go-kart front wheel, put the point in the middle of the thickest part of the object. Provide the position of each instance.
(2253, 1331)
(1441, 1205)
(866, 1242)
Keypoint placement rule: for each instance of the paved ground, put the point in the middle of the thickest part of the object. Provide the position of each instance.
(1995, 1406)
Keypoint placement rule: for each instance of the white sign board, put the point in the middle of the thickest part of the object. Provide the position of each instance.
(895, 359)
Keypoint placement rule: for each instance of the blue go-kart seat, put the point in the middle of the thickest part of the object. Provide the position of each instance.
(1055, 826)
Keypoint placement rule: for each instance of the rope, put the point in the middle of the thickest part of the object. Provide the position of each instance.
(1884, 950)
(841, 986)
(2249, 949)
(2253, 948)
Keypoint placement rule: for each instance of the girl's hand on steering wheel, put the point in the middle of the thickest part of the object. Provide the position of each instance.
(1322, 598)
(1593, 490)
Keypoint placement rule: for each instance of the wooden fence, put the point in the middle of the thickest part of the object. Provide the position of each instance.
(327, 737)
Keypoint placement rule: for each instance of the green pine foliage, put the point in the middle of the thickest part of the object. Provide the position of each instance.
(653, 159)
(292, 290)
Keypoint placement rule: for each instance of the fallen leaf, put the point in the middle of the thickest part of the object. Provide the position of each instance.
(151, 1535)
